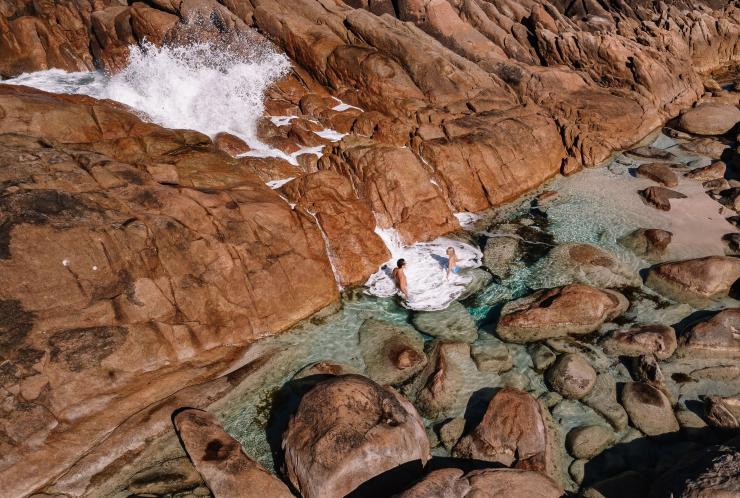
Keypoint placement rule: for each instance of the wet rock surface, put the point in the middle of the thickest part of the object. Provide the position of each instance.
(392, 354)
(695, 281)
(649, 409)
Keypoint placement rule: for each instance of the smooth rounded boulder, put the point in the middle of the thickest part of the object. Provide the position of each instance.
(486, 483)
(517, 431)
(649, 409)
(695, 281)
(717, 337)
(588, 441)
(572, 376)
(347, 430)
(219, 458)
(656, 339)
(658, 172)
(650, 243)
(710, 119)
(574, 309)
(453, 323)
(585, 264)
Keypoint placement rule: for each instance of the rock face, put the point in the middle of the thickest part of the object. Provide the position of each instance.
(572, 376)
(656, 339)
(717, 337)
(130, 271)
(354, 248)
(710, 119)
(573, 309)
(392, 354)
(658, 172)
(515, 431)
(487, 483)
(649, 409)
(220, 459)
(346, 431)
(650, 243)
(695, 281)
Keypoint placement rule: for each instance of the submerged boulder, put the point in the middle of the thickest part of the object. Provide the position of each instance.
(453, 323)
(603, 400)
(588, 441)
(695, 281)
(499, 253)
(516, 430)
(573, 309)
(347, 430)
(392, 353)
(491, 355)
(486, 483)
(656, 339)
(220, 460)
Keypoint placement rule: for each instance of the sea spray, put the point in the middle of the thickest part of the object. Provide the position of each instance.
(426, 271)
(206, 86)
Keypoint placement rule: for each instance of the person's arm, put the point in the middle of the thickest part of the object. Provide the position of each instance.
(451, 263)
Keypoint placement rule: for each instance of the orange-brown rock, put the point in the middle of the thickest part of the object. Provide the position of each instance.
(397, 187)
(232, 145)
(347, 430)
(716, 337)
(219, 458)
(572, 309)
(487, 483)
(123, 282)
(695, 281)
(355, 249)
(516, 431)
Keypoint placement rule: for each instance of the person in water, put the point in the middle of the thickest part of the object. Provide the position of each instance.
(452, 262)
(399, 276)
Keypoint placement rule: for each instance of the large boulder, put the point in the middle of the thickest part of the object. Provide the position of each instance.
(219, 458)
(516, 430)
(649, 409)
(486, 483)
(717, 337)
(499, 253)
(392, 353)
(347, 430)
(695, 281)
(710, 119)
(572, 309)
(656, 339)
(588, 441)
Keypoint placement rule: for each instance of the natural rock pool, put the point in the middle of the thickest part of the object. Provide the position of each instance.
(597, 207)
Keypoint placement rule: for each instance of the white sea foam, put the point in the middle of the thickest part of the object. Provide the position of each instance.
(202, 86)
(426, 271)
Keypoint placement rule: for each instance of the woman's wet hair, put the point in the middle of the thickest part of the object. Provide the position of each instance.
(401, 263)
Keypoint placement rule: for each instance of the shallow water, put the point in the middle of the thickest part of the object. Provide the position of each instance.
(595, 206)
